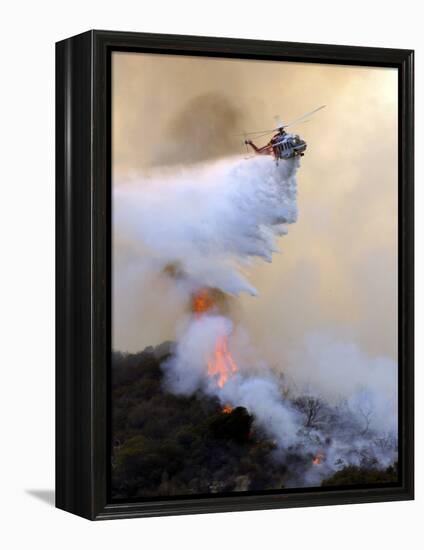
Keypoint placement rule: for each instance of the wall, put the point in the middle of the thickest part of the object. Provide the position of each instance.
(28, 34)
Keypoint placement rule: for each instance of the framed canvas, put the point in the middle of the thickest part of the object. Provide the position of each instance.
(234, 274)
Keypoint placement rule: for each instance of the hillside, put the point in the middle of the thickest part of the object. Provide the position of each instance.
(165, 444)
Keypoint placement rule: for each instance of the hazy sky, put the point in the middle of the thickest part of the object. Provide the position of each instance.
(338, 267)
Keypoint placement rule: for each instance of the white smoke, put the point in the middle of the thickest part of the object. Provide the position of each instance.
(337, 368)
(187, 370)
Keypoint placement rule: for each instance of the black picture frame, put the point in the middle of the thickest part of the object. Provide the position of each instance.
(83, 238)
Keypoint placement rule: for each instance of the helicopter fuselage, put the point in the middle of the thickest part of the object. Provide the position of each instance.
(281, 146)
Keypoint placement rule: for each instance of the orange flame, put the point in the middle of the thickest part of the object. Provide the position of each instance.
(227, 409)
(318, 458)
(202, 302)
(221, 365)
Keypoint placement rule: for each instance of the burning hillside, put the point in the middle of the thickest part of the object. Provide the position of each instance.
(210, 415)
(165, 444)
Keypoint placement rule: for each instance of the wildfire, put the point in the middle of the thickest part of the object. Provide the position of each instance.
(227, 409)
(202, 302)
(221, 365)
(318, 458)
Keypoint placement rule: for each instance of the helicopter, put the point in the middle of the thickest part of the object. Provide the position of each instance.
(282, 145)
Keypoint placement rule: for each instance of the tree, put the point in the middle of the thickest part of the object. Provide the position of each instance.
(356, 475)
(366, 414)
(310, 406)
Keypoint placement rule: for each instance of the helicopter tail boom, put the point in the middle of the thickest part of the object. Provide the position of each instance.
(258, 150)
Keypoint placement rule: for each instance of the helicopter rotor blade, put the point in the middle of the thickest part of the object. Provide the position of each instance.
(296, 120)
(258, 132)
(300, 122)
(261, 133)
